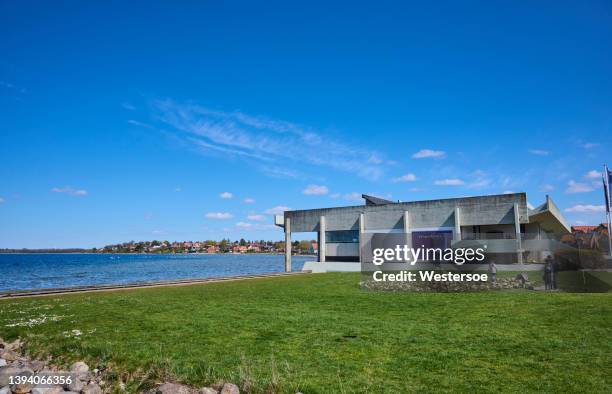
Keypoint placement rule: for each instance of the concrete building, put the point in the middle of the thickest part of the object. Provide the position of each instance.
(512, 232)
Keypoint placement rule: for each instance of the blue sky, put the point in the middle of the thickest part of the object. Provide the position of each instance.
(198, 121)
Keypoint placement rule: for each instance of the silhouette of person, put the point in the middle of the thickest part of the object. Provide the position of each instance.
(493, 271)
(549, 274)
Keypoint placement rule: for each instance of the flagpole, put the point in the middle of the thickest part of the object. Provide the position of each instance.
(609, 197)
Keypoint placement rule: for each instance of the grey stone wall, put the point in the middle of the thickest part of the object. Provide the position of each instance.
(482, 210)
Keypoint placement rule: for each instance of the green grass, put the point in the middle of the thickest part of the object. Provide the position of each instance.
(322, 334)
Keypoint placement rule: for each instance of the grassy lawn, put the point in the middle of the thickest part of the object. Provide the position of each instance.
(322, 334)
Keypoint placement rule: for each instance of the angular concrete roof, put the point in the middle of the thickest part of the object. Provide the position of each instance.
(371, 200)
(550, 217)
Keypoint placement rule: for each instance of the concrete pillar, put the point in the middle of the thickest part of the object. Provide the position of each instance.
(457, 234)
(287, 244)
(517, 229)
(361, 231)
(541, 253)
(322, 243)
(407, 230)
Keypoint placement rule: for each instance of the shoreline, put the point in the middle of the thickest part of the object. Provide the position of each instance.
(162, 254)
(13, 294)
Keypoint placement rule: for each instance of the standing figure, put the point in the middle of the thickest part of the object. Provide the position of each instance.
(548, 274)
(493, 271)
(554, 268)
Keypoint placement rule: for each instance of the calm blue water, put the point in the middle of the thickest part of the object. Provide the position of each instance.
(40, 271)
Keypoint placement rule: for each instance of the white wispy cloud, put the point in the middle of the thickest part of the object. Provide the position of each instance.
(249, 200)
(244, 225)
(586, 208)
(315, 190)
(9, 85)
(508, 192)
(481, 180)
(335, 195)
(578, 187)
(539, 152)
(255, 226)
(375, 159)
(226, 195)
(138, 123)
(547, 187)
(429, 153)
(449, 182)
(590, 145)
(480, 183)
(278, 210)
(69, 190)
(256, 217)
(178, 189)
(219, 215)
(405, 178)
(265, 140)
(593, 174)
(354, 196)
(2, 200)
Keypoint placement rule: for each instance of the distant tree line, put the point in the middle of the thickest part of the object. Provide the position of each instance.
(167, 247)
(24, 250)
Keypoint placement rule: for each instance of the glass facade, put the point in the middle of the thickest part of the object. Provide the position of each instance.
(432, 239)
(346, 236)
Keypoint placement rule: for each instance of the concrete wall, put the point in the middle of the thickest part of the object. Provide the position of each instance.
(508, 230)
(484, 210)
(342, 249)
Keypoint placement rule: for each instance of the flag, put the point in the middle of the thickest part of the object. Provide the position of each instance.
(607, 179)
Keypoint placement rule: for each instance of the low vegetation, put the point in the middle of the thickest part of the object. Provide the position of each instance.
(323, 334)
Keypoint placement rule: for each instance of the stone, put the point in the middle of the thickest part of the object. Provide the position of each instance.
(79, 367)
(21, 388)
(16, 344)
(10, 355)
(230, 388)
(75, 385)
(80, 370)
(37, 365)
(91, 389)
(208, 390)
(6, 373)
(5, 390)
(2, 362)
(174, 388)
(42, 389)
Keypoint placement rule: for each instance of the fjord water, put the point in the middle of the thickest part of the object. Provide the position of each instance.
(44, 271)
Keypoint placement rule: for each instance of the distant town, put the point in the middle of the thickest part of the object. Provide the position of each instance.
(208, 246)
(593, 237)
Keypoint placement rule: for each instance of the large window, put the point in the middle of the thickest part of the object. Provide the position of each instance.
(432, 239)
(346, 236)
